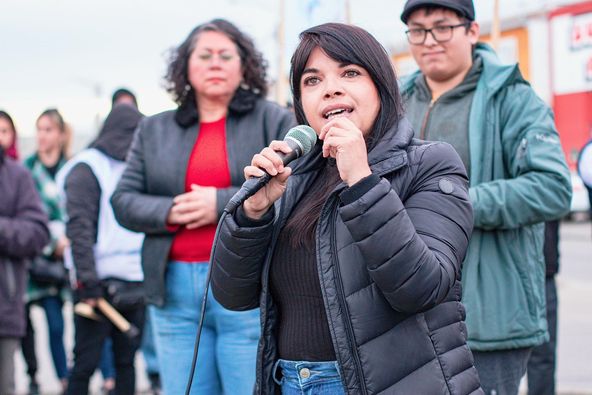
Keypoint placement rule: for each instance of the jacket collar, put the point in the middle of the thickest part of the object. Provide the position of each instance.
(242, 102)
(389, 153)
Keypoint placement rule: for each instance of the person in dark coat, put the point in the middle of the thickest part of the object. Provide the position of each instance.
(184, 166)
(356, 269)
(104, 256)
(23, 234)
(542, 362)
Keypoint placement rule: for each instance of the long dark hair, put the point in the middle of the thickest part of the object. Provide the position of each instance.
(254, 82)
(350, 45)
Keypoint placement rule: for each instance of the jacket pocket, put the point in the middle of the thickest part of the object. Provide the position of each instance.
(529, 267)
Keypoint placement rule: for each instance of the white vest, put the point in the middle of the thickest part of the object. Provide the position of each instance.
(117, 250)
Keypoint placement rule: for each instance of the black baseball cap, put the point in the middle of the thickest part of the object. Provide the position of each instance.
(463, 7)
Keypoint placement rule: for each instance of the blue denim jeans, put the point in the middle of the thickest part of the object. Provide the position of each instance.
(228, 345)
(107, 363)
(308, 378)
(148, 348)
(55, 325)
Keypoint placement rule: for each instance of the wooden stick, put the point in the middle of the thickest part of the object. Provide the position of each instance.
(116, 318)
(86, 310)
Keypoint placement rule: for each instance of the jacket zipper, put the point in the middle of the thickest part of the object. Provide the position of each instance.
(274, 237)
(425, 120)
(341, 294)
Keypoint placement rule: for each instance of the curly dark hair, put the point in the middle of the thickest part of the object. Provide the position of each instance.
(254, 83)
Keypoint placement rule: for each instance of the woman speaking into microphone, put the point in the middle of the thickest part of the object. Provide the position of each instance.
(354, 255)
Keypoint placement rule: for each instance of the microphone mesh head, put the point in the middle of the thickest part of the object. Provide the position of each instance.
(304, 135)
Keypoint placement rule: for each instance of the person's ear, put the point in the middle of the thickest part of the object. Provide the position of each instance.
(473, 32)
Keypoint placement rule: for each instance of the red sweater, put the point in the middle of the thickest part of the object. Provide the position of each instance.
(208, 166)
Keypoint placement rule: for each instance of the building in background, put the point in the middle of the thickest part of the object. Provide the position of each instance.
(552, 43)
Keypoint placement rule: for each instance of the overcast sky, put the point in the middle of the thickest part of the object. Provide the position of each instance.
(72, 54)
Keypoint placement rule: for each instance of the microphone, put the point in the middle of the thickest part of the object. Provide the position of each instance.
(301, 139)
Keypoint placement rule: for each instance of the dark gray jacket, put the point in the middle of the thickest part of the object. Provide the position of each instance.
(23, 234)
(389, 266)
(156, 170)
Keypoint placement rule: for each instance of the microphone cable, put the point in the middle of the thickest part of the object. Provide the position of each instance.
(301, 139)
(204, 301)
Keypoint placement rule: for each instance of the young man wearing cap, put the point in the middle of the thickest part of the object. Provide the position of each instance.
(506, 137)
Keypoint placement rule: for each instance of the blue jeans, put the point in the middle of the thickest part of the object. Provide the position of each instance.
(308, 378)
(107, 363)
(228, 345)
(55, 325)
(148, 348)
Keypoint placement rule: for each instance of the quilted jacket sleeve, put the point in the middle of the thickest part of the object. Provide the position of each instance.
(238, 258)
(414, 248)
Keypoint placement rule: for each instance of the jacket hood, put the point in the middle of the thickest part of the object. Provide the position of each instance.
(117, 132)
(494, 74)
(385, 152)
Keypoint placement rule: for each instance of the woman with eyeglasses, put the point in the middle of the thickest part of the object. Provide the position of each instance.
(183, 167)
(353, 255)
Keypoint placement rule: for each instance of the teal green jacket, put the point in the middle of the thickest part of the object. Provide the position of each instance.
(519, 179)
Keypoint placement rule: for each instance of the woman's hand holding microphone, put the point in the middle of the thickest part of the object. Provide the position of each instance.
(342, 140)
(268, 161)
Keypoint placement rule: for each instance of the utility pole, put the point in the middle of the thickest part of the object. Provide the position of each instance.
(495, 26)
(280, 95)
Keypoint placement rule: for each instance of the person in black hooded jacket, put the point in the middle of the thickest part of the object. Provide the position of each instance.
(101, 250)
(356, 269)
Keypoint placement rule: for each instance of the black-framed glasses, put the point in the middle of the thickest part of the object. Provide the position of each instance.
(440, 33)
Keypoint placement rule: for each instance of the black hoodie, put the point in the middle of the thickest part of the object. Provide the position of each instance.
(84, 195)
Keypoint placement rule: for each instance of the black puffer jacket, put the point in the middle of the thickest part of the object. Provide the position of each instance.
(389, 267)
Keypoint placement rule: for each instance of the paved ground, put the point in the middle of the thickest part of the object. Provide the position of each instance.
(574, 283)
(574, 372)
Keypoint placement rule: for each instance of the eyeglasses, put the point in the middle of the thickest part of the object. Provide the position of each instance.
(224, 57)
(439, 33)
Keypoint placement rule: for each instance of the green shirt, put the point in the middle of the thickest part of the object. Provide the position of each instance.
(446, 119)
